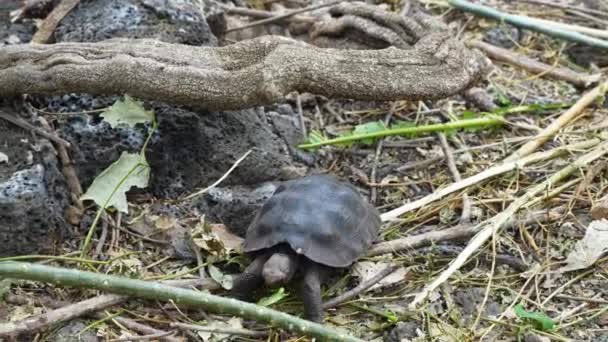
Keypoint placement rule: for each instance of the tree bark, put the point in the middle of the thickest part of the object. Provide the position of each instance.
(250, 73)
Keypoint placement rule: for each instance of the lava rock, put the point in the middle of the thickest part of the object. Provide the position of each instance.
(504, 36)
(403, 331)
(33, 195)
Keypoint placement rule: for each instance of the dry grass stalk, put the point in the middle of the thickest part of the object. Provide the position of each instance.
(493, 225)
(560, 123)
(480, 177)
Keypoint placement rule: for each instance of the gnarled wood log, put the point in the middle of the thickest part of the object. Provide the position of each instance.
(246, 74)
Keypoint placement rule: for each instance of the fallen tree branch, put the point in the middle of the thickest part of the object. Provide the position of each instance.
(493, 225)
(158, 291)
(249, 73)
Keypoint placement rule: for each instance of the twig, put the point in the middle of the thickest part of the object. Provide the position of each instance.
(102, 237)
(27, 126)
(456, 233)
(486, 174)
(528, 23)
(559, 123)
(236, 163)
(449, 159)
(566, 284)
(158, 291)
(68, 169)
(582, 299)
(46, 29)
(71, 311)
(497, 222)
(573, 311)
(249, 12)
(372, 176)
(283, 16)
(532, 65)
(301, 116)
(158, 335)
(360, 288)
(219, 330)
(66, 313)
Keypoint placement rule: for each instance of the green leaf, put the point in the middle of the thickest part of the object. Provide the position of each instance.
(502, 99)
(315, 137)
(110, 187)
(274, 298)
(369, 127)
(345, 143)
(538, 319)
(224, 280)
(129, 112)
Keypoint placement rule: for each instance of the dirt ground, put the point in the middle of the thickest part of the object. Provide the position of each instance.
(546, 265)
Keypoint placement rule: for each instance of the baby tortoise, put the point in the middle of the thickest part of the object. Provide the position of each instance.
(313, 224)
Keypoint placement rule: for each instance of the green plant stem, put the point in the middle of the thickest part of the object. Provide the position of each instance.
(87, 240)
(157, 291)
(89, 237)
(485, 121)
(528, 23)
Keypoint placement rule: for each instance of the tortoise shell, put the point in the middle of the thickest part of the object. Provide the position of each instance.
(319, 217)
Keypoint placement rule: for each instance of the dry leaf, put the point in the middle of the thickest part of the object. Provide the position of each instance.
(588, 250)
(367, 269)
(216, 239)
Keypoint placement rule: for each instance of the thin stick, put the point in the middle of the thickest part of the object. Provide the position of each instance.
(236, 163)
(152, 337)
(582, 299)
(249, 12)
(449, 159)
(560, 122)
(283, 16)
(460, 231)
(301, 116)
(566, 284)
(219, 330)
(48, 25)
(360, 288)
(497, 222)
(372, 176)
(39, 322)
(27, 126)
(535, 66)
(486, 174)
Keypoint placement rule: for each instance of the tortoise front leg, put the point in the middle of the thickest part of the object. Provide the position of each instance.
(248, 281)
(311, 293)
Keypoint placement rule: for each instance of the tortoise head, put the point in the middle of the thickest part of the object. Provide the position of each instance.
(280, 268)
